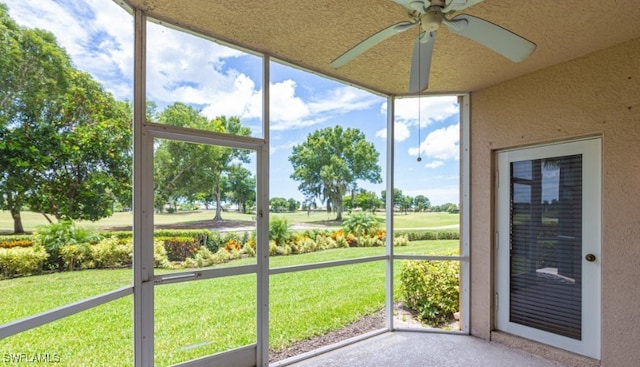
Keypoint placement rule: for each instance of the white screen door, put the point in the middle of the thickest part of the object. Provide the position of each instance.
(548, 244)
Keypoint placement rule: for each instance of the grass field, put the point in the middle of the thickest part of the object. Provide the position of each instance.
(32, 220)
(194, 319)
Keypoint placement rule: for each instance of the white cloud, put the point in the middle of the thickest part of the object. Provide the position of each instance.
(184, 68)
(181, 67)
(401, 132)
(97, 34)
(441, 144)
(242, 100)
(434, 164)
(342, 100)
(429, 109)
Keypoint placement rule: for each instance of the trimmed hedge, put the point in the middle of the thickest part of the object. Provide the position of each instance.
(110, 252)
(202, 237)
(179, 248)
(429, 235)
(19, 261)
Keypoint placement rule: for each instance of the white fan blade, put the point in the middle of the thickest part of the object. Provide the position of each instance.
(417, 5)
(498, 39)
(421, 62)
(455, 5)
(363, 46)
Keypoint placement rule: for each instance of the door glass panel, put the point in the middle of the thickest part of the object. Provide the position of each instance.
(546, 244)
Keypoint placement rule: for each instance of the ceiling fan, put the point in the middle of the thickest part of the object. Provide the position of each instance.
(429, 15)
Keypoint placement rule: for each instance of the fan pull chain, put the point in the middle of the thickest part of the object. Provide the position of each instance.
(419, 99)
(419, 108)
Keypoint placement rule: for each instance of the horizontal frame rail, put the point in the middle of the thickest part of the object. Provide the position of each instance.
(34, 321)
(240, 357)
(202, 136)
(431, 257)
(326, 264)
(185, 276)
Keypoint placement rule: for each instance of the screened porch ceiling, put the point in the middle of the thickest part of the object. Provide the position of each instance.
(310, 34)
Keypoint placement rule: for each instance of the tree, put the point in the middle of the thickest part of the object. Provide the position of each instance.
(185, 170)
(278, 205)
(89, 142)
(332, 160)
(398, 197)
(421, 203)
(406, 203)
(240, 186)
(292, 205)
(57, 154)
(365, 200)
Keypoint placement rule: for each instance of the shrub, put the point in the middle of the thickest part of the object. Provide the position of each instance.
(303, 244)
(232, 245)
(14, 237)
(73, 255)
(326, 242)
(431, 288)
(121, 235)
(214, 242)
(314, 233)
(200, 236)
(110, 252)
(249, 248)
(366, 241)
(273, 248)
(179, 248)
(401, 241)
(360, 224)
(279, 230)
(160, 259)
(203, 237)
(18, 261)
(63, 233)
(430, 235)
(16, 243)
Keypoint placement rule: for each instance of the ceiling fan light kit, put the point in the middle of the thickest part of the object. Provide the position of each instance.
(429, 15)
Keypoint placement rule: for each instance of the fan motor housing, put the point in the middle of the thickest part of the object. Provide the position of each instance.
(430, 21)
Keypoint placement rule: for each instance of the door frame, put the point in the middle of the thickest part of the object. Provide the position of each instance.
(591, 150)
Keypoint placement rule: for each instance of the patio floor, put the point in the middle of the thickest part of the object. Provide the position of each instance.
(405, 349)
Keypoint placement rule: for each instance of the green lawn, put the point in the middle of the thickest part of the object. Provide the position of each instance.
(194, 319)
(32, 220)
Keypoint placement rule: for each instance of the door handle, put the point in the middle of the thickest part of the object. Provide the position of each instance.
(590, 257)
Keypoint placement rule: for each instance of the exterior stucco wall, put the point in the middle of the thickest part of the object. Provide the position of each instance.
(597, 95)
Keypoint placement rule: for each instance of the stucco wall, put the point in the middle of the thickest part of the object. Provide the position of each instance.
(598, 94)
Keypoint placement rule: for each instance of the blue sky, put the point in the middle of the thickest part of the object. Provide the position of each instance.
(98, 35)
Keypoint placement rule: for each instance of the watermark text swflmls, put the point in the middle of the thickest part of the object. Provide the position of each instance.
(31, 358)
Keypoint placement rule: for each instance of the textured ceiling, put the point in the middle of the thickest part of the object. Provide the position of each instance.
(311, 34)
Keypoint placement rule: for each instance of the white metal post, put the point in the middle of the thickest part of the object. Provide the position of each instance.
(142, 206)
(389, 211)
(262, 220)
(465, 210)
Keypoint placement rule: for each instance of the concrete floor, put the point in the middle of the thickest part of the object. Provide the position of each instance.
(407, 349)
